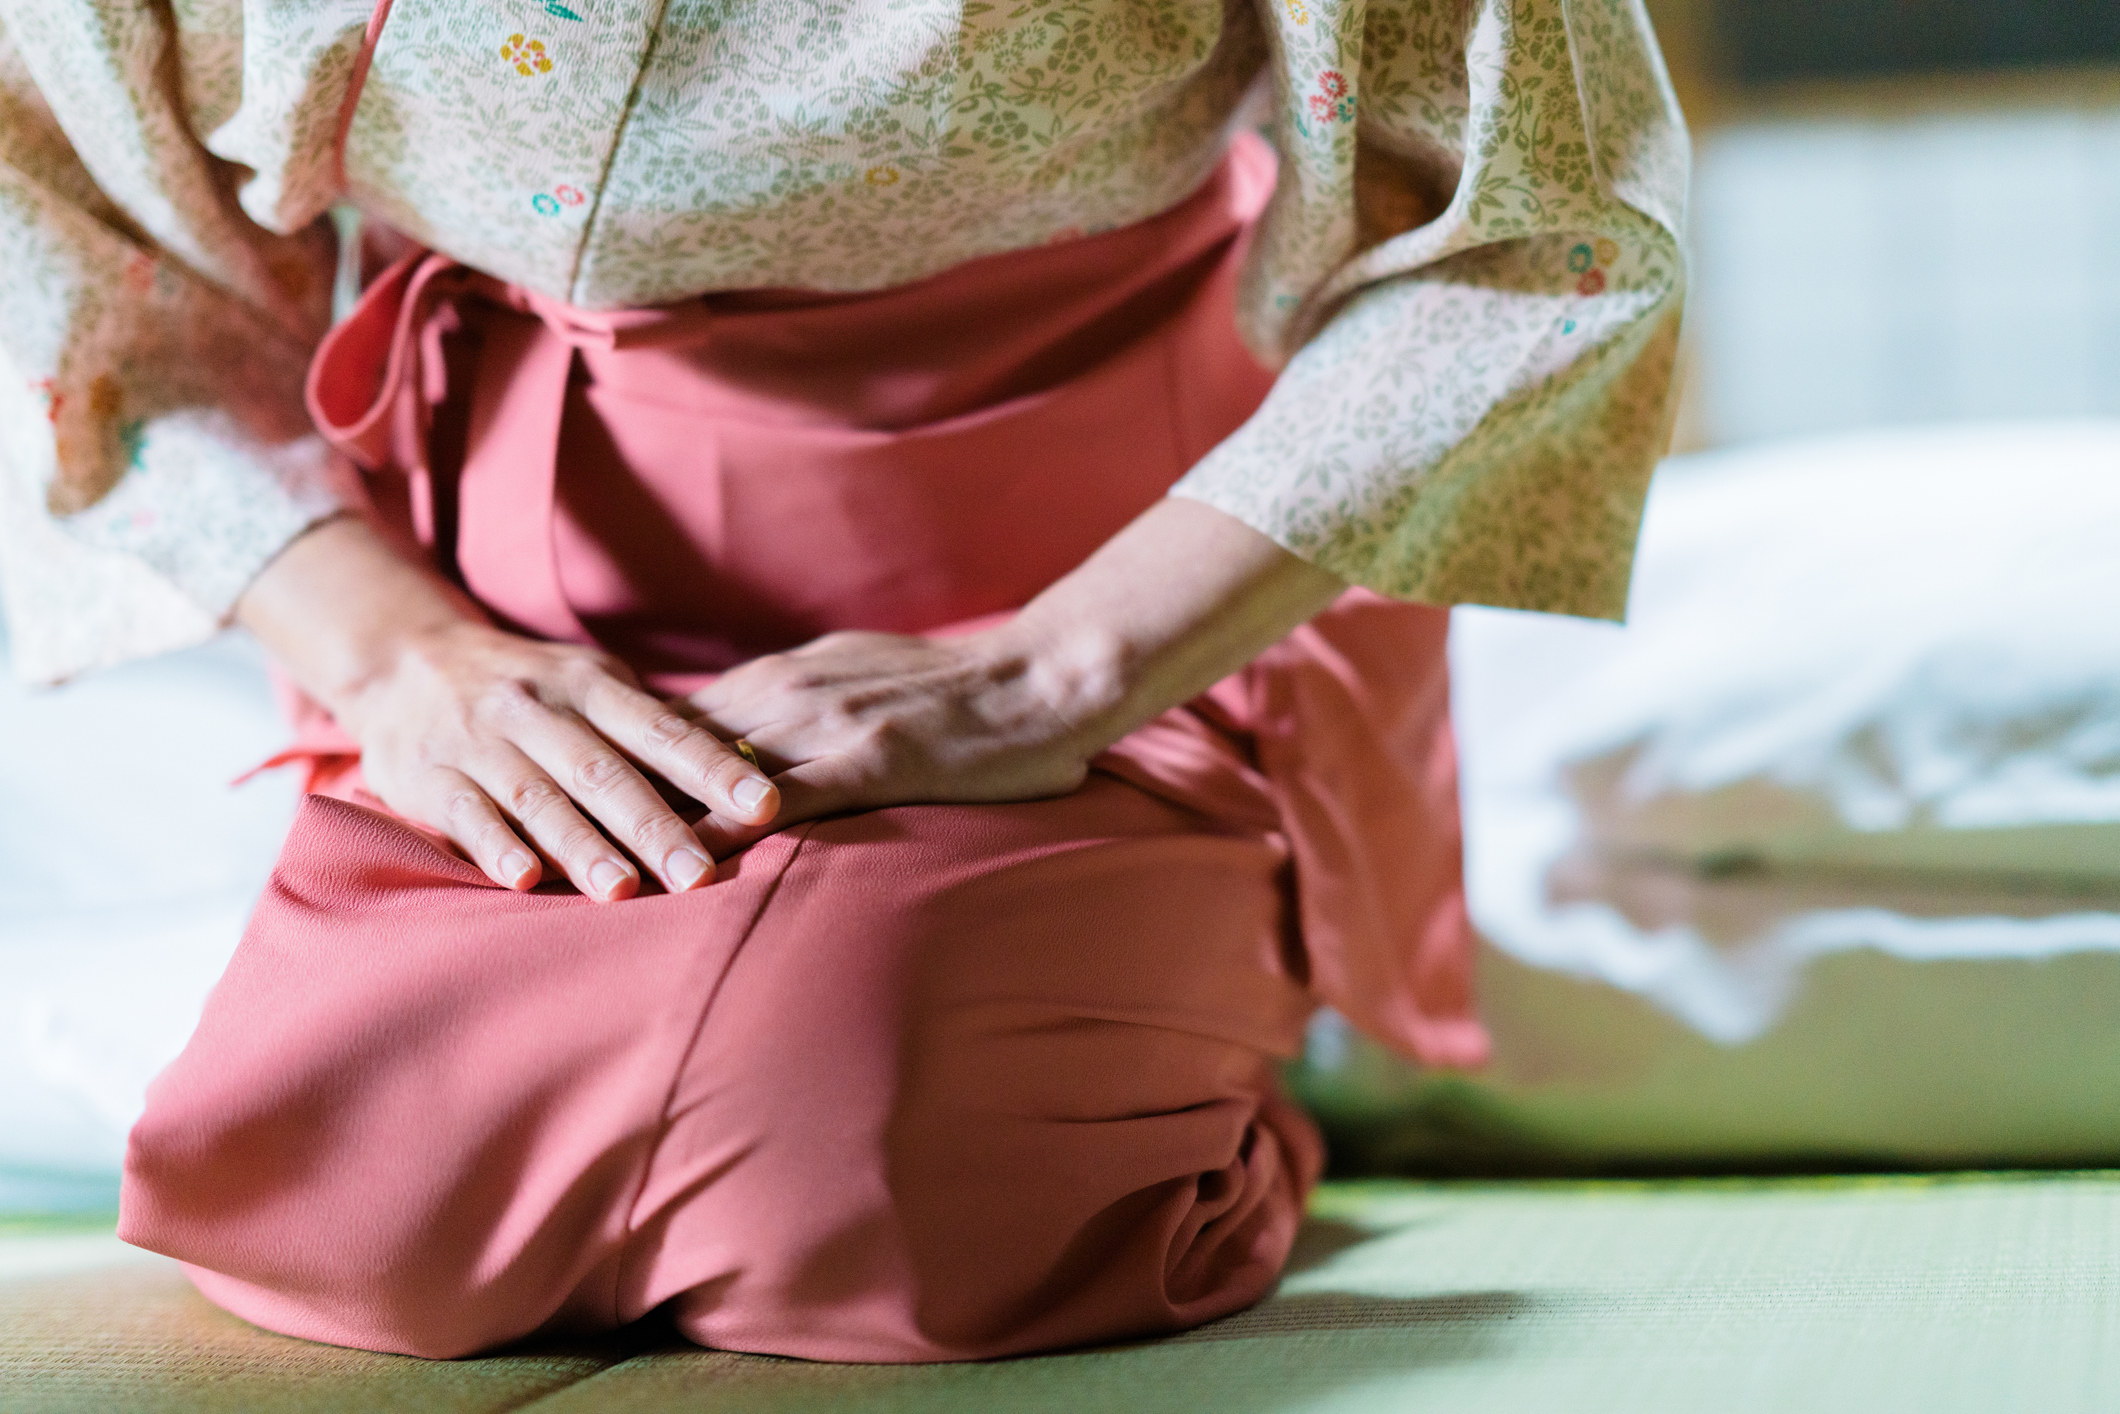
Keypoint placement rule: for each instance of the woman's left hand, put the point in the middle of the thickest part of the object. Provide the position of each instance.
(858, 721)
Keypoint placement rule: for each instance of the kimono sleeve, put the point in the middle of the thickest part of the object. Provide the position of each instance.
(1472, 268)
(154, 449)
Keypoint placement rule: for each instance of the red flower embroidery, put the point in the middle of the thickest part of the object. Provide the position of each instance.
(569, 196)
(1593, 282)
(1332, 103)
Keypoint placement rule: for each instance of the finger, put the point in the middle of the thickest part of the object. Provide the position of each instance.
(684, 752)
(605, 784)
(549, 820)
(827, 785)
(463, 812)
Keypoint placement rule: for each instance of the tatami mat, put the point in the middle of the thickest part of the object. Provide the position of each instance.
(1988, 1293)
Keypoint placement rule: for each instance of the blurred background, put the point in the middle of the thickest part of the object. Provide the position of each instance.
(1904, 211)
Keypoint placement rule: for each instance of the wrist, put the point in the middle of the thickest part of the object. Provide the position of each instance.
(1082, 674)
(1182, 597)
(343, 612)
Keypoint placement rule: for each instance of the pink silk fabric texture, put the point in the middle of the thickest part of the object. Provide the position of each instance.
(931, 1082)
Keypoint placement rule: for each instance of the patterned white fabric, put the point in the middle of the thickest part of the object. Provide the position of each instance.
(1472, 257)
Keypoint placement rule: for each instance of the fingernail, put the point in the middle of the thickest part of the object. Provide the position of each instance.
(606, 878)
(687, 868)
(750, 792)
(514, 865)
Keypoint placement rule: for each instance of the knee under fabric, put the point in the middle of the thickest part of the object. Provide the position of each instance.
(927, 1083)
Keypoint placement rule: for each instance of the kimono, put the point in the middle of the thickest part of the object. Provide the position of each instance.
(726, 325)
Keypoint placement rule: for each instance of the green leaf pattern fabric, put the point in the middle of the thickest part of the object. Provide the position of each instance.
(1470, 268)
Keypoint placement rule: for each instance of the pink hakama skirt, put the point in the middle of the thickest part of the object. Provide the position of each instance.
(925, 1083)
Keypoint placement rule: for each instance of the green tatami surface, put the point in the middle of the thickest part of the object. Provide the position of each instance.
(1988, 1293)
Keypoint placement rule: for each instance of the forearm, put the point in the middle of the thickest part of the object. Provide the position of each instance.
(1176, 601)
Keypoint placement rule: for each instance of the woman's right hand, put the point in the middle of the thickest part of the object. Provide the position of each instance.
(515, 749)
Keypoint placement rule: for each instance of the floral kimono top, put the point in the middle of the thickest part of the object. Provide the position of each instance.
(1470, 270)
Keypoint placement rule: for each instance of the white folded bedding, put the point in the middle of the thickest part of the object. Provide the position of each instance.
(1820, 855)
(1896, 649)
(1880, 672)
(128, 863)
